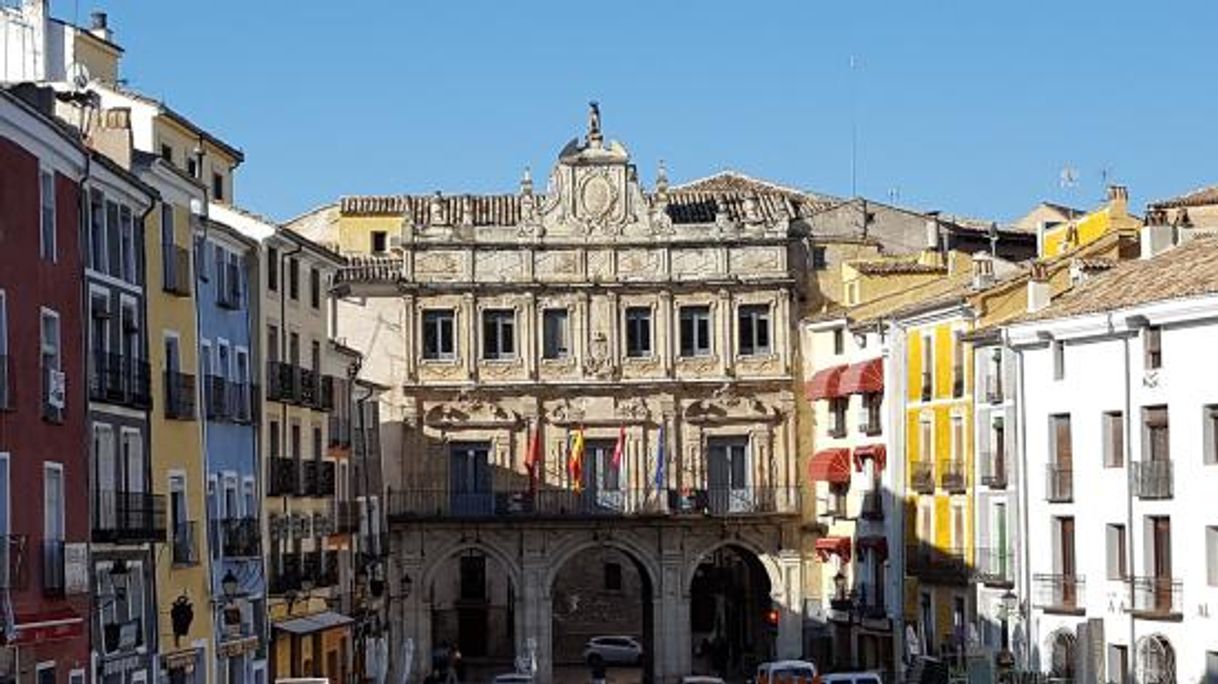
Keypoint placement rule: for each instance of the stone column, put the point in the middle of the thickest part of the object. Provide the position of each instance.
(530, 336)
(781, 330)
(469, 314)
(665, 332)
(410, 616)
(411, 351)
(535, 606)
(789, 599)
(672, 640)
(723, 316)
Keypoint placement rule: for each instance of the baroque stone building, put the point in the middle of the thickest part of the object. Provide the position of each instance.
(584, 369)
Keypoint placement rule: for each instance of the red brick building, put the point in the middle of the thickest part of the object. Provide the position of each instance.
(44, 476)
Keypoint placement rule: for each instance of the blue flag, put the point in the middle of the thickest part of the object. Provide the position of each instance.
(660, 457)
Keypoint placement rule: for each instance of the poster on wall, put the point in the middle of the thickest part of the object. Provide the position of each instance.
(76, 568)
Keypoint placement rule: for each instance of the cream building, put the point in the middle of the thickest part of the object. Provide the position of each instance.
(656, 325)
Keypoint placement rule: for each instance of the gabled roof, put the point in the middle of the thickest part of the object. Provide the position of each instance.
(1189, 270)
(730, 181)
(180, 119)
(1195, 198)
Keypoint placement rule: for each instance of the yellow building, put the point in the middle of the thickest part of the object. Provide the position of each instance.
(1060, 238)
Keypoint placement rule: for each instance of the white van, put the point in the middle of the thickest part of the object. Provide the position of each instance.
(786, 672)
(852, 678)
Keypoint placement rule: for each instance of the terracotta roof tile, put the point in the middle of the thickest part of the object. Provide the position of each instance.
(370, 270)
(895, 267)
(1196, 198)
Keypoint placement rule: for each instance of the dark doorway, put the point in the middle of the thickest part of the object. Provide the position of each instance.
(733, 622)
(473, 608)
(469, 478)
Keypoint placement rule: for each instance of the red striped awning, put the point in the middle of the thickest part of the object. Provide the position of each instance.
(836, 546)
(824, 385)
(878, 453)
(864, 377)
(830, 465)
(875, 544)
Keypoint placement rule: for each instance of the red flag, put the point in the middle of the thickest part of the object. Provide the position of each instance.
(532, 459)
(619, 448)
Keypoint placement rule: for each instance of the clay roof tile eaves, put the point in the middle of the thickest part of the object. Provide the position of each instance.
(1195, 198)
(370, 270)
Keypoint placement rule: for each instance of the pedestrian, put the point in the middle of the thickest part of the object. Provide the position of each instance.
(458, 663)
(598, 670)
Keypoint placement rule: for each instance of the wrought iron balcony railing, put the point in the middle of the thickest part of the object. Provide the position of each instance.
(936, 565)
(185, 544)
(118, 379)
(995, 567)
(1059, 593)
(283, 382)
(340, 431)
(310, 386)
(326, 482)
(922, 477)
(953, 477)
(128, 517)
(217, 397)
(13, 551)
(1059, 484)
(228, 294)
(179, 395)
(308, 477)
(1152, 479)
(873, 505)
(993, 470)
(284, 477)
(240, 537)
(1158, 598)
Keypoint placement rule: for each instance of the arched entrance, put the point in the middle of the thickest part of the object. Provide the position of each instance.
(602, 615)
(733, 621)
(1061, 655)
(1156, 660)
(472, 599)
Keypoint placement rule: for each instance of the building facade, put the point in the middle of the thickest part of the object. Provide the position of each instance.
(593, 320)
(44, 484)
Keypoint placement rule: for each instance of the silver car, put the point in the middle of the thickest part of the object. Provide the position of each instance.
(614, 650)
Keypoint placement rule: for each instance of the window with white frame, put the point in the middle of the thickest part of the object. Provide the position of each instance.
(1209, 434)
(232, 499)
(928, 366)
(695, 331)
(1116, 551)
(53, 522)
(555, 334)
(498, 334)
(1152, 341)
(638, 331)
(1114, 439)
(1211, 555)
(46, 185)
(98, 249)
(127, 246)
(1058, 350)
(753, 329)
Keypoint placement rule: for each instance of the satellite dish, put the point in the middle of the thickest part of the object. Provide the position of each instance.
(78, 75)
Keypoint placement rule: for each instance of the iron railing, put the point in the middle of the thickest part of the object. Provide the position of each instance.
(922, 477)
(128, 517)
(179, 395)
(284, 477)
(346, 516)
(994, 470)
(185, 544)
(1157, 597)
(119, 379)
(240, 537)
(285, 574)
(1152, 479)
(13, 550)
(936, 565)
(53, 567)
(326, 479)
(310, 386)
(217, 397)
(953, 477)
(308, 477)
(566, 503)
(175, 271)
(1059, 593)
(282, 382)
(325, 398)
(1059, 484)
(340, 431)
(995, 567)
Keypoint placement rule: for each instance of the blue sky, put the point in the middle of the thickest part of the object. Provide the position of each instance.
(970, 107)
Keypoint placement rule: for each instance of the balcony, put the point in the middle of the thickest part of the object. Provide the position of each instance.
(935, 565)
(1059, 593)
(53, 568)
(13, 549)
(993, 471)
(282, 382)
(345, 516)
(284, 477)
(953, 477)
(179, 396)
(326, 474)
(995, 567)
(1152, 479)
(1157, 598)
(285, 575)
(240, 537)
(118, 379)
(873, 506)
(326, 393)
(309, 477)
(1059, 484)
(216, 395)
(185, 544)
(242, 400)
(310, 387)
(507, 505)
(340, 431)
(922, 477)
(175, 271)
(128, 517)
(835, 505)
(321, 568)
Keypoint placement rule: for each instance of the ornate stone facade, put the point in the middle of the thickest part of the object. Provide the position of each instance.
(659, 319)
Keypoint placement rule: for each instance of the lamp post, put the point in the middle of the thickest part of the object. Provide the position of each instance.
(1008, 604)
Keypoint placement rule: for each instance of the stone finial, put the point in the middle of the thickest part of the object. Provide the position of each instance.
(595, 138)
(436, 209)
(662, 179)
(526, 182)
(467, 211)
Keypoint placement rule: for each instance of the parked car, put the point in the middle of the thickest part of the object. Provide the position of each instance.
(701, 679)
(512, 678)
(786, 672)
(615, 650)
(852, 678)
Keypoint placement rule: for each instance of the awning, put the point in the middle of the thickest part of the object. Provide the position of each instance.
(51, 625)
(876, 545)
(830, 465)
(863, 378)
(878, 453)
(824, 385)
(314, 623)
(836, 546)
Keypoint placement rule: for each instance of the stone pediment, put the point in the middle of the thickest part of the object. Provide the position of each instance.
(726, 406)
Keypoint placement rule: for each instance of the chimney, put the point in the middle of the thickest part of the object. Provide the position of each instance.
(983, 271)
(1156, 237)
(1118, 198)
(932, 230)
(99, 25)
(1040, 292)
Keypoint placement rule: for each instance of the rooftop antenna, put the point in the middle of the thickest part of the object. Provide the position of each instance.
(1067, 178)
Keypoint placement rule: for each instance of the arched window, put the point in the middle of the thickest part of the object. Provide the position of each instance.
(1062, 651)
(1156, 660)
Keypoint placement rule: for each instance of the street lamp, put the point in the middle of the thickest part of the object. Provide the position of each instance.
(230, 585)
(1008, 604)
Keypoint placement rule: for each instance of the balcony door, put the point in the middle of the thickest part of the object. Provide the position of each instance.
(602, 480)
(1160, 531)
(103, 456)
(1068, 563)
(469, 478)
(728, 469)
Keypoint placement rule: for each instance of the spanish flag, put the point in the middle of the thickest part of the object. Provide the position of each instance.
(575, 460)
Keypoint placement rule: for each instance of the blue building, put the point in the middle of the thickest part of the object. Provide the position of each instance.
(228, 318)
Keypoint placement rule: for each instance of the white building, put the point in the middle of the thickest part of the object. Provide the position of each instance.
(1119, 435)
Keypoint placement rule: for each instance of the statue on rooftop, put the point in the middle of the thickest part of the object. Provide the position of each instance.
(594, 122)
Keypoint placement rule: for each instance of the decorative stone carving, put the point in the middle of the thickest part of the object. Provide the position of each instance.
(633, 409)
(498, 266)
(439, 265)
(435, 210)
(639, 263)
(599, 363)
(565, 411)
(688, 263)
(557, 265)
(467, 410)
(726, 406)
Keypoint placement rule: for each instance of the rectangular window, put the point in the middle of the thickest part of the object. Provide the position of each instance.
(1118, 664)
(1114, 439)
(127, 247)
(926, 441)
(272, 343)
(555, 334)
(928, 366)
(295, 442)
(498, 334)
(273, 439)
(1211, 555)
(294, 278)
(4, 364)
(53, 395)
(638, 331)
(820, 260)
(1156, 442)
(1152, 345)
(839, 341)
(314, 288)
(957, 445)
(753, 329)
(47, 191)
(167, 153)
(97, 232)
(695, 331)
(957, 365)
(272, 269)
(380, 241)
(1058, 349)
(317, 442)
(837, 414)
(439, 334)
(1209, 434)
(192, 167)
(1116, 547)
(1062, 442)
(217, 187)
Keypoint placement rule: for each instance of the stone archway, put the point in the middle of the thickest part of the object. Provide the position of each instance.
(737, 604)
(1062, 649)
